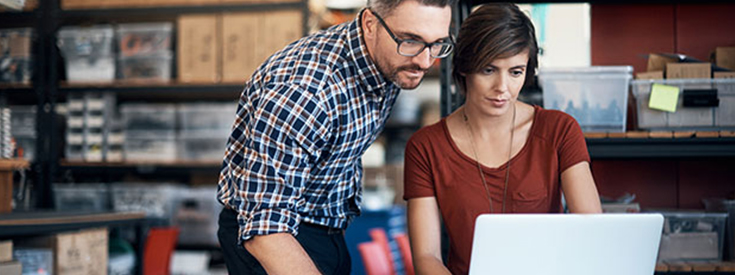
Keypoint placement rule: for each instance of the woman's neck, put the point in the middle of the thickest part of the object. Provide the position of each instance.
(485, 125)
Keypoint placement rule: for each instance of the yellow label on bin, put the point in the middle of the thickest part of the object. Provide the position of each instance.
(664, 98)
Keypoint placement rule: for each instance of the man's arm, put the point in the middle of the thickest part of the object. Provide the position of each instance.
(280, 253)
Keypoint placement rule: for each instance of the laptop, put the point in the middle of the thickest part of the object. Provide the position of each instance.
(566, 244)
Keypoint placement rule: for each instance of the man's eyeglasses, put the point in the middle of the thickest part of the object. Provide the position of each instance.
(411, 47)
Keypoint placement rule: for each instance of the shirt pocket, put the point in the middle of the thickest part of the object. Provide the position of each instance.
(531, 201)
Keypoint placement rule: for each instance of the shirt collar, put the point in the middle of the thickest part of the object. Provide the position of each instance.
(367, 71)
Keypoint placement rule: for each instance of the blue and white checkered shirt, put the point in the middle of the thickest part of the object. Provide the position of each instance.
(303, 123)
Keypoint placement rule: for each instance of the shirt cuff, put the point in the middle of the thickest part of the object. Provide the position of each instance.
(268, 221)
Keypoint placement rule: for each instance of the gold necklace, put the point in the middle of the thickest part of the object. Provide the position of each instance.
(479, 168)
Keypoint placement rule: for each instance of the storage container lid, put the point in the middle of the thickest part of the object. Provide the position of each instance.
(588, 70)
(145, 27)
(98, 30)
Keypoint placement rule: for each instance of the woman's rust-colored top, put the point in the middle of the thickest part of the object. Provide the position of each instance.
(435, 167)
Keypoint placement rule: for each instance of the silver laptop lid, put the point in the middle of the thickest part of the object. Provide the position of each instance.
(566, 244)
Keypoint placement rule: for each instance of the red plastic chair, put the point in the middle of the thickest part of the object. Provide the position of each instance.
(378, 235)
(405, 247)
(159, 247)
(374, 258)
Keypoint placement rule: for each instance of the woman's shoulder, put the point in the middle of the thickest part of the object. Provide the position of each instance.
(430, 132)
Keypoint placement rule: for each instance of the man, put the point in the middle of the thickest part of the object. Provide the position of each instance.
(291, 175)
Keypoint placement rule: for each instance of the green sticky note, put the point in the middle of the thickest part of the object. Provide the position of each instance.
(664, 98)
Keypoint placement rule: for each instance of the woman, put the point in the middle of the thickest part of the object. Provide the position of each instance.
(494, 154)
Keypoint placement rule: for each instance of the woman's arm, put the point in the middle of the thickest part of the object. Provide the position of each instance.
(424, 231)
(579, 189)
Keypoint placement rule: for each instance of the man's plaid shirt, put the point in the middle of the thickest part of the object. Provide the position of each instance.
(303, 122)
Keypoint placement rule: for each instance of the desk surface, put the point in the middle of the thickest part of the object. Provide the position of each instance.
(45, 222)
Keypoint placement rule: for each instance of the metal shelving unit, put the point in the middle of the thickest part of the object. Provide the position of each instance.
(47, 90)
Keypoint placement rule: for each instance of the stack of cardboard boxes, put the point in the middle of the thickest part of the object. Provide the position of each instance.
(105, 4)
(229, 47)
(678, 66)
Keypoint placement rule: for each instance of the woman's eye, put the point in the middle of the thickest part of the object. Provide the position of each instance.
(488, 70)
(517, 73)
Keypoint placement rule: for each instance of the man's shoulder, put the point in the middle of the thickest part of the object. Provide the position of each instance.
(310, 60)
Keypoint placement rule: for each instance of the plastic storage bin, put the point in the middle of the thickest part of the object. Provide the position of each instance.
(156, 200)
(150, 149)
(90, 69)
(84, 42)
(156, 68)
(718, 117)
(152, 118)
(197, 211)
(35, 261)
(16, 69)
(144, 39)
(596, 97)
(88, 197)
(213, 117)
(204, 146)
(692, 236)
(16, 42)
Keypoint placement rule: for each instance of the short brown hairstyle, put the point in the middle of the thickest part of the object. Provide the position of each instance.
(385, 7)
(493, 31)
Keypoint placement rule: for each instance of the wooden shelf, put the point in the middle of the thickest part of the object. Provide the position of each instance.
(160, 90)
(112, 11)
(178, 164)
(13, 164)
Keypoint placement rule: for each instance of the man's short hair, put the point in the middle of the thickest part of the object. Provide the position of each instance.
(385, 7)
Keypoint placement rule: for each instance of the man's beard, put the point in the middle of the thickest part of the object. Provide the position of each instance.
(392, 74)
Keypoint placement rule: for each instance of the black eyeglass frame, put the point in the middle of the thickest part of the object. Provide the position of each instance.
(426, 45)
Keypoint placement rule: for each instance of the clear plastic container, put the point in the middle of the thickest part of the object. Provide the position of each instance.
(23, 121)
(596, 97)
(148, 117)
(213, 117)
(721, 117)
(92, 68)
(692, 236)
(75, 42)
(156, 200)
(35, 261)
(144, 39)
(203, 146)
(154, 149)
(155, 68)
(16, 42)
(87, 197)
(16, 69)
(197, 210)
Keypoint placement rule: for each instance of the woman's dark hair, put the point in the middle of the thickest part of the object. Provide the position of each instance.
(493, 31)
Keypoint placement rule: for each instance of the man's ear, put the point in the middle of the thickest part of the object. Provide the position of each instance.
(369, 24)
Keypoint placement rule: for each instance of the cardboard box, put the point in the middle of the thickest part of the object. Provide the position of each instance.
(725, 57)
(198, 49)
(6, 251)
(83, 252)
(76, 253)
(724, 75)
(650, 75)
(248, 39)
(688, 70)
(11, 268)
(657, 62)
